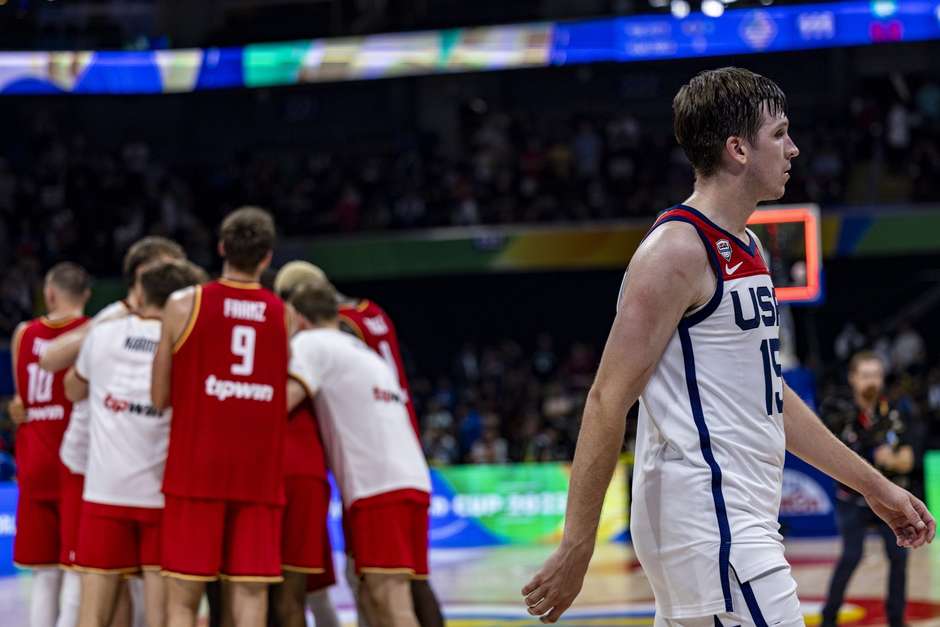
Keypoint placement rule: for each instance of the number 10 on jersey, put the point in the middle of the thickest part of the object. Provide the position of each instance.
(773, 375)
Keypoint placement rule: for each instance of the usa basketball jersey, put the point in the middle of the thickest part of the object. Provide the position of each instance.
(710, 441)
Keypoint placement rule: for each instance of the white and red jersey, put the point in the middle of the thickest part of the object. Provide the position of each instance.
(228, 392)
(710, 443)
(74, 449)
(127, 436)
(374, 327)
(367, 434)
(47, 408)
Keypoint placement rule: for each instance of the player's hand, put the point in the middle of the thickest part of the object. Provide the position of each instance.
(884, 457)
(553, 589)
(17, 411)
(904, 513)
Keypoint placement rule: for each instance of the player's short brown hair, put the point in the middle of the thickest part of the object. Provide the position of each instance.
(146, 250)
(162, 279)
(247, 235)
(316, 302)
(71, 278)
(861, 357)
(718, 104)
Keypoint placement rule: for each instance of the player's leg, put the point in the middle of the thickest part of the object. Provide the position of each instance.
(44, 596)
(896, 598)
(245, 603)
(154, 598)
(289, 599)
(70, 598)
(390, 598)
(852, 528)
(322, 608)
(363, 609)
(427, 608)
(123, 615)
(182, 601)
(100, 593)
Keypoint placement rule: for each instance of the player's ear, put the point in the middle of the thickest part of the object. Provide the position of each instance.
(220, 248)
(736, 148)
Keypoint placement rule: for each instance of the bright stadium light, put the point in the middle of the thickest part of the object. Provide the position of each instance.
(679, 8)
(712, 8)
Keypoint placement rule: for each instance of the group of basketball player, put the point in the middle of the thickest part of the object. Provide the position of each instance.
(182, 436)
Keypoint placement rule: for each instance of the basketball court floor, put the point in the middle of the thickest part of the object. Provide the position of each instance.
(480, 587)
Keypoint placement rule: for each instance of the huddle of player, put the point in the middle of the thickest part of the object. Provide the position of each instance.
(184, 435)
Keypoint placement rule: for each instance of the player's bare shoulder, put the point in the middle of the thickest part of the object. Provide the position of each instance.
(674, 255)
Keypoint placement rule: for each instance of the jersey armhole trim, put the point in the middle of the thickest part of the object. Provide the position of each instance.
(18, 333)
(703, 311)
(191, 323)
(311, 393)
(352, 325)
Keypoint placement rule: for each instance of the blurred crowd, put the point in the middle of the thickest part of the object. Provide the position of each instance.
(505, 402)
(66, 196)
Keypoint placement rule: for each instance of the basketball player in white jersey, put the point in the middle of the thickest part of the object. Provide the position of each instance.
(696, 341)
(120, 524)
(62, 353)
(372, 450)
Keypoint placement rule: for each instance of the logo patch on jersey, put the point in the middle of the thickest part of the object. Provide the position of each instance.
(724, 248)
(732, 269)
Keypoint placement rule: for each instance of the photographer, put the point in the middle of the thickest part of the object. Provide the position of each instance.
(868, 424)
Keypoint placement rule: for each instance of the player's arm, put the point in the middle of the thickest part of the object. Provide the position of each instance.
(16, 408)
(63, 351)
(76, 388)
(811, 441)
(176, 315)
(296, 393)
(668, 275)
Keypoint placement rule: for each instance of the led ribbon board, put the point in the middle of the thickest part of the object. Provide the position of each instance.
(621, 39)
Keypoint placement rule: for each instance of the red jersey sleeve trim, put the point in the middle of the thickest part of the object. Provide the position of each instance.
(193, 316)
(241, 285)
(57, 324)
(353, 325)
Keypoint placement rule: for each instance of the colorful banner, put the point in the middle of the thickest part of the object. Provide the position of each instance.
(519, 504)
(932, 481)
(621, 39)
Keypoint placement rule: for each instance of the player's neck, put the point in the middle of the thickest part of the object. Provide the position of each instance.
(147, 311)
(723, 201)
(231, 274)
(64, 313)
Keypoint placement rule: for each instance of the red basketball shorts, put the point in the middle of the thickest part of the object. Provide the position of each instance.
(388, 533)
(118, 539)
(71, 487)
(37, 532)
(305, 541)
(206, 539)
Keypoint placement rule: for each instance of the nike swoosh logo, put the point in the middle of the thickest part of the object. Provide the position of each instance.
(732, 269)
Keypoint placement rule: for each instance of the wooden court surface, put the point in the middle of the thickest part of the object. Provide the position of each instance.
(480, 587)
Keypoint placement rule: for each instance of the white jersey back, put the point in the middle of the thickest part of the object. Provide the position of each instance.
(128, 436)
(370, 444)
(710, 440)
(74, 448)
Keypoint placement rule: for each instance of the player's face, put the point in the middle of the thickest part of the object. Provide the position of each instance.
(868, 379)
(771, 155)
